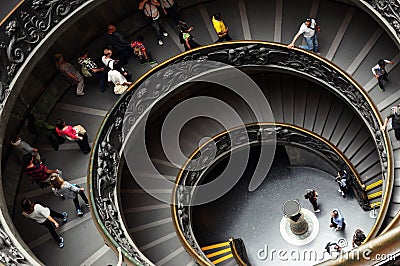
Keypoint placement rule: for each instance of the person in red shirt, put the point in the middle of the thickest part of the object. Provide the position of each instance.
(140, 50)
(72, 133)
(37, 172)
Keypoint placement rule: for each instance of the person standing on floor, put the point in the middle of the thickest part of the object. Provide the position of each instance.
(24, 148)
(76, 133)
(70, 73)
(395, 116)
(337, 220)
(309, 30)
(358, 238)
(37, 172)
(342, 181)
(171, 8)
(312, 197)
(44, 216)
(93, 70)
(187, 38)
(220, 28)
(61, 188)
(119, 43)
(149, 7)
(380, 73)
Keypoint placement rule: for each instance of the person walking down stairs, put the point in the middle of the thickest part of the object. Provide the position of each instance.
(76, 133)
(61, 188)
(220, 28)
(309, 30)
(44, 216)
(70, 73)
(380, 72)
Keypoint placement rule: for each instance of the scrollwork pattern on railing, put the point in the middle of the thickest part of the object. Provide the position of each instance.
(135, 105)
(104, 180)
(252, 134)
(389, 10)
(9, 254)
(23, 31)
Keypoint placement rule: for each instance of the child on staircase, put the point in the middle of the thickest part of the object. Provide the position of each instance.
(70, 191)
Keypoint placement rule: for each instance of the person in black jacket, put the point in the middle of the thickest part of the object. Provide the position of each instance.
(122, 46)
(395, 116)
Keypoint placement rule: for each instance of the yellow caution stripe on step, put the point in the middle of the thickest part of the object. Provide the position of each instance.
(222, 251)
(375, 195)
(375, 204)
(215, 262)
(223, 244)
(374, 185)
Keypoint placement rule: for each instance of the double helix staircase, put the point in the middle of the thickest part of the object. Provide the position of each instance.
(350, 38)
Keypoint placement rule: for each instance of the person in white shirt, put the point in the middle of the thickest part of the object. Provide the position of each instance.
(380, 73)
(308, 29)
(44, 216)
(149, 7)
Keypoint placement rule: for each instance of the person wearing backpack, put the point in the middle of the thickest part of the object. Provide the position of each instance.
(61, 187)
(90, 68)
(395, 116)
(358, 238)
(309, 30)
(150, 9)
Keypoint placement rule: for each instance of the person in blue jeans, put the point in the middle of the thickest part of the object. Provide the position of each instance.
(309, 29)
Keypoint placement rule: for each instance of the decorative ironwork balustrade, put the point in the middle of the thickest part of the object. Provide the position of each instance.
(135, 105)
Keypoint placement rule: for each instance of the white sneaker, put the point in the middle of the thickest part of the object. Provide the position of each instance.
(160, 42)
(339, 190)
(317, 210)
(165, 34)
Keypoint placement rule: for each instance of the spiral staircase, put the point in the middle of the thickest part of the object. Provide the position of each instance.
(350, 38)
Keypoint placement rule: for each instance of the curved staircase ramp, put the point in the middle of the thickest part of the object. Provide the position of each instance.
(350, 38)
(147, 219)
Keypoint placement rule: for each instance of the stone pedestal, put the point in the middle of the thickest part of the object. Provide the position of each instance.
(292, 211)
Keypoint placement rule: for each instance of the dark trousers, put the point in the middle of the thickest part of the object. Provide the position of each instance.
(381, 78)
(49, 225)
(76, 200)
(84, 143)
(149, 59)
(224, 38)
(397, 132)
(314, 204)
(102, 77)
(159, 28)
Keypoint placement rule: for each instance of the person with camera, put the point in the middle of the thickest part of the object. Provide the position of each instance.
(358, 238)
(341, 179)
(312, 196)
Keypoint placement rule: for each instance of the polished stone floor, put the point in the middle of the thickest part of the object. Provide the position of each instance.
(255, 216)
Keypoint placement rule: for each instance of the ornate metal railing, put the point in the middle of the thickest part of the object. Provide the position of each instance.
(137, 103)
(239, 251)
(26, 28)
(226, 143)
(386, 13)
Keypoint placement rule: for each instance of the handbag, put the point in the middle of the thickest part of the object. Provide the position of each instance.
(80, 129)
(119, 89)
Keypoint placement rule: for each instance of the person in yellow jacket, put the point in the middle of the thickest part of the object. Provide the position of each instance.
(220, 28)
